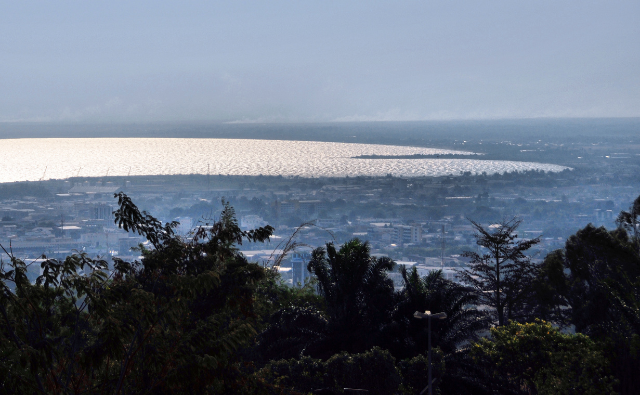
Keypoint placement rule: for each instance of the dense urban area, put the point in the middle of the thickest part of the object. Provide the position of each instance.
(320, 198)
(415, 221)
(210, 283)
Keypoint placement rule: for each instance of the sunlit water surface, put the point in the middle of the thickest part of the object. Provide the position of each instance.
(34, 159)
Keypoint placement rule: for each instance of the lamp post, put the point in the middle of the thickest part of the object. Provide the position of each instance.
(427, 314)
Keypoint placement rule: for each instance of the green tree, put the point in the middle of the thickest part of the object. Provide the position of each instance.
(503, 276)
(537, 358)
(173, 322)
(294, 319)
(375, 371)
(579, 279)
(434, 293)
(408, 337)
(594, 284)
(630, 221)
(291, 332)
(358, 294)
(416, 370)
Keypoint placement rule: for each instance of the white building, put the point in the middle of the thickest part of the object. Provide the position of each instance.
(249, 222)
(186, 225)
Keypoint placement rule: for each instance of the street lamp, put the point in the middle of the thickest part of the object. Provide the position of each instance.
(427, 314)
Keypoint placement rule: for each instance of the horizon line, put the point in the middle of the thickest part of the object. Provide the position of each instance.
(281, 122)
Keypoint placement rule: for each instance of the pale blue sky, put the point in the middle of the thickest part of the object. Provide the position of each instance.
(282, 61)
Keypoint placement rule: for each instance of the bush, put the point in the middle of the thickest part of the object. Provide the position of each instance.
(174, 322)
(374, 370)
(415, 372)
(304, 374)
(537, 358)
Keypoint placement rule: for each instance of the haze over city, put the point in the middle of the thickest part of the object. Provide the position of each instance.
(279, 61)
(320, 197)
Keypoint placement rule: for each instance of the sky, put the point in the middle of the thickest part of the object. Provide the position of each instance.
(317, 61)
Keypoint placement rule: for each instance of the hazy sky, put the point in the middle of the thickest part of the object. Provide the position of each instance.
(273, 61)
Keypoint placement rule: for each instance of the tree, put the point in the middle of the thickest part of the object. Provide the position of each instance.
(291, 332)
(357, 292)
(294, 318)
(537, 358)
(407, 338)
(594, 285)
(550, 290)
(434, 293)
(579, 279)
(630, 221)
(173, 322)
(374, 370)
(504, 274)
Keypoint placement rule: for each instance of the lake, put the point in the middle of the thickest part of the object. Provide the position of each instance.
(58, 158)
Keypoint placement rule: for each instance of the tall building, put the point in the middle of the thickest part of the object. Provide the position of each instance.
(416, 234)
(408, 234)
(102, 211)
(299, 261)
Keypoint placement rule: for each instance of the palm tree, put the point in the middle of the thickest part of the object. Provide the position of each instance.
(435, 293)
(409, 337)
(291, 331)
(359, 295)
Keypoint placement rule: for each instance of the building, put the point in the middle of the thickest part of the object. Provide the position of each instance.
(102, 211)
(408, 234)
(185, 225)
(125, 244)
(249, 222)
(299, 261)
(328, 222)
(303, 208)
(604, 216)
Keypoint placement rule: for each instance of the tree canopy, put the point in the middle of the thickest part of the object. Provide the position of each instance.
(173, 321)
(503, 274)
(193, 315)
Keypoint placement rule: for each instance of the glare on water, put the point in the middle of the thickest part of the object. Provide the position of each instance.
(58, 158)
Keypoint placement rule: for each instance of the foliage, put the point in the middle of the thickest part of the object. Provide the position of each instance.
(549, 289)
(594, 285)
(583, 275)
(275, 294)
(630, 221)
(41, 328)
(304, 374)
(374, 370)
(537, 358)
(349, 280)
(504, 275)
(194, 316)
(464, 375)
(172, 323)
(293, 317)
(415, 372)
(291, 331)
(407, 337)
(358, 295)
(624, 346)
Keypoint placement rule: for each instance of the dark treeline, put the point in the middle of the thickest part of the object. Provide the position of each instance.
(193, 316)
